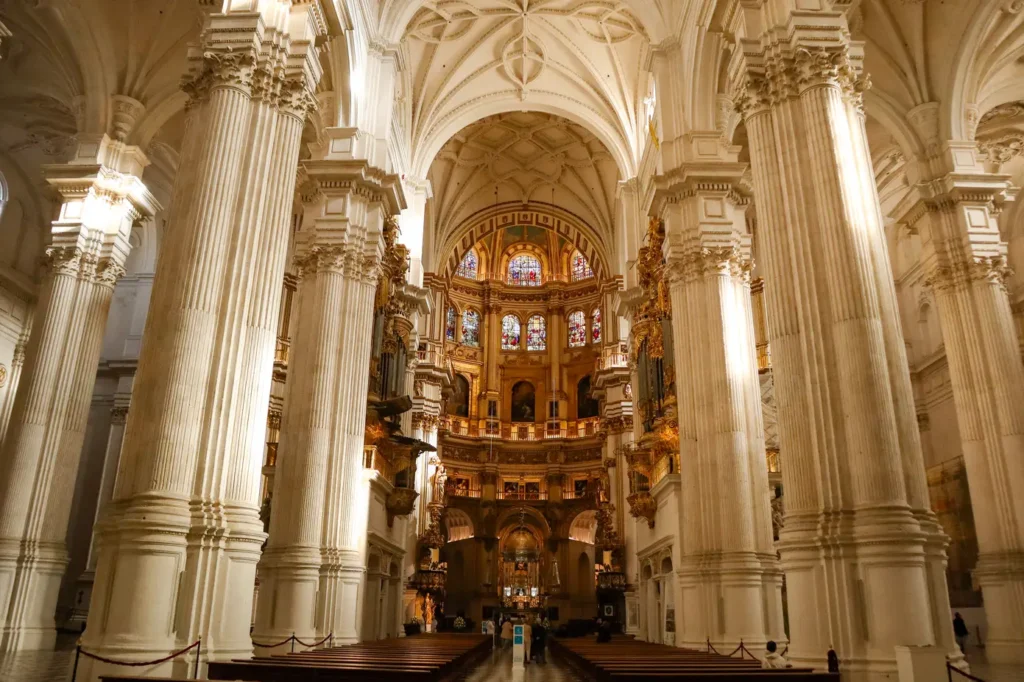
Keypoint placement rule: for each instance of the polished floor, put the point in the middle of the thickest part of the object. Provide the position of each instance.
(55, 666)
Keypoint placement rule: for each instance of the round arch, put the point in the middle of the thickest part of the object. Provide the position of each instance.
(484, 223)
(584, 527)
(508, 521)
(459, 525)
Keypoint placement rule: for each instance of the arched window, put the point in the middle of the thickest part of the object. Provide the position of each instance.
(536, 333)
(595, 326)
(449, 325)
(524, 271)
(511, 329)
(580, 267)
(468, 266)
(471, 328)
(577, 329)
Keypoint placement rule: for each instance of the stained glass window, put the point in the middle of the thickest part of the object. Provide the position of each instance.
(595, 326)
(577, 329)
(449, 327)
(536, 333)
(471, 328)
(580, 267)
(511, 329)
(468, 266)
(524, 271)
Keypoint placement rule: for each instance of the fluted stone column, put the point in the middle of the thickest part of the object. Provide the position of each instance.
(968, 271)
(728, 575)
(182, 534)
(858, 547)
(312, 567)
(13, 381)
(44, 440)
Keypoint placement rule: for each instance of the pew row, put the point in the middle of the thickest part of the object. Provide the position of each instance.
(624, 659)
(421, 658)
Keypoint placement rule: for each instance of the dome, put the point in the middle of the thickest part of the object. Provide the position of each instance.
(522, 540)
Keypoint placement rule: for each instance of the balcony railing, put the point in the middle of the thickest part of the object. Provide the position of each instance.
(581, 428)
(464, 492)
(612, 358)
(373, 459)
(522, 495)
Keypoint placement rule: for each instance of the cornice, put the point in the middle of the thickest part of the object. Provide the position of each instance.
(359, 174)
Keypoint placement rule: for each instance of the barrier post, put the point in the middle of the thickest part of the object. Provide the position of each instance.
(293, 642)
(74, 670)
(199, 653)
(331, 646)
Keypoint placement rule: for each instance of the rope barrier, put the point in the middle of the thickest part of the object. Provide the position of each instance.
(950, 669)
(315, 644)
(295, 640)
(197, 645)
(271, 646)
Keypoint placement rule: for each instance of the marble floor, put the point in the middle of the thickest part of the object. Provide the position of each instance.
(55, 666)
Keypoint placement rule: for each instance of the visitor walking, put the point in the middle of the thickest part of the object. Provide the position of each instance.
(961, 632)
(506, 634)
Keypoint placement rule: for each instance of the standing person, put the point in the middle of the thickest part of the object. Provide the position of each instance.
(506, 634)
(540, 634)
(960, 631)
(604, 631)
(527, 642)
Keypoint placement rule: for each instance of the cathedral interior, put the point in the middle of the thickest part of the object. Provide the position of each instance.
(352, 321)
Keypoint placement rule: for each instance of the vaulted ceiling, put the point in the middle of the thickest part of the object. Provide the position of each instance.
(518, 158)
(589, 60)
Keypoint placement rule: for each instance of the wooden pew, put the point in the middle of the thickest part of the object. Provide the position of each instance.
(626, 660)
(426, 658)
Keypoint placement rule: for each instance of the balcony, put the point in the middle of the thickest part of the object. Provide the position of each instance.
(531, 432)
(522, 494)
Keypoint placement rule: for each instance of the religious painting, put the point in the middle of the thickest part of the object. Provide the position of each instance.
(524, 402)
(579, 487)
(595, 326)
(577, 329)
(532, 490)
(458, 404)
(586, 405)
(510, 488)
(460, 487)
(951, 501)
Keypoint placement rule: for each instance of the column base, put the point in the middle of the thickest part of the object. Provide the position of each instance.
(342, 576)
(857, 581)
(1001, 578)
(730, 594)
(30, 575)
(289, 579)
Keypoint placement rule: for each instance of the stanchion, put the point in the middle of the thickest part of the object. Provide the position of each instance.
(199, 654)
(293, 642)
(78, 653)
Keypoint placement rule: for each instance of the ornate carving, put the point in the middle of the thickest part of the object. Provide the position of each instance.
(3, 375)
(218, 69)
(322, 258)
(787, 76)
(643, 505)
(295, 99)
(107, 273)
(951, 276)
(1003, 148)
(64, 260)
(118, 415)
(1003, 112)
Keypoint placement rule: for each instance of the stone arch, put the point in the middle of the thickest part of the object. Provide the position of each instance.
(485, 223)
(459, 525)
(584, 527)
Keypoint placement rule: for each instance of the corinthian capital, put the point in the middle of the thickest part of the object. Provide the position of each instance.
(219, 68)
(295, 99)
(953, 276)
(321, 259)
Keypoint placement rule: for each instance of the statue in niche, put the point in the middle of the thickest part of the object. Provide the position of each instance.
(524, 405)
